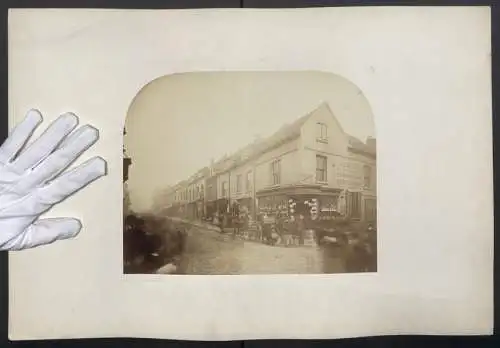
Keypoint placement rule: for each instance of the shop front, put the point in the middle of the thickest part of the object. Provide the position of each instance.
(370, 209)
(199, 210)
(211, 209)
(222, 205)
(246, 205)
(191, 210)
(312, 202)
(273, 204)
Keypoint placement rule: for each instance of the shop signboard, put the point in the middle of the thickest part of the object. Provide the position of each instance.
(272, 205)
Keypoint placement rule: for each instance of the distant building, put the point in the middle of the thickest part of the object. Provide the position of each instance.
(196, 194)
(310, 159)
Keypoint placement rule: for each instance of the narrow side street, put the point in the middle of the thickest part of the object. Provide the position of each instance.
(210, 252)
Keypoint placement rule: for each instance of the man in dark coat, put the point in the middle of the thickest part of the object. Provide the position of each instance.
(301, 229)
(134, 240)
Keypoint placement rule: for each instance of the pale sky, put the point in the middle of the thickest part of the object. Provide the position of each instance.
(177, 123)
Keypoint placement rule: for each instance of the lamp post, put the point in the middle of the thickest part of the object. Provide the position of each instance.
(127, 161)
(232, 164)
(229, 190)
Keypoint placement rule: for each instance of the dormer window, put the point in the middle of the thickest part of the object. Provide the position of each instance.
(322, 132)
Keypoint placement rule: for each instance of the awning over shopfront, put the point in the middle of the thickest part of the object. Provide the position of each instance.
(299, 190)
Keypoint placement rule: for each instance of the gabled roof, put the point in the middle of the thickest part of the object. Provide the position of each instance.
(286, 133)
(290, 131)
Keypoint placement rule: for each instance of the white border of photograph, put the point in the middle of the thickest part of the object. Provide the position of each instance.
(427, 75)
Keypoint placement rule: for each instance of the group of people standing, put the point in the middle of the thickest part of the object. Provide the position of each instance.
(282, 229)
(268, 229)
(358, 249)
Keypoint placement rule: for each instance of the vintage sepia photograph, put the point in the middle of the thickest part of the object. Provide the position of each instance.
(250, 173)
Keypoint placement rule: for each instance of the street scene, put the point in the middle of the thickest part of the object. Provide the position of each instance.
(300, 199)
(203, 249)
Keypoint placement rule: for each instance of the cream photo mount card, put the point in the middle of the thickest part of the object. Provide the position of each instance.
(293, 173)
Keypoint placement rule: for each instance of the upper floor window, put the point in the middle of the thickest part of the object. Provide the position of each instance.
(367, 176)
(238, 183)
(224, 189)
(276, 172)
(249, 181)
(321, 168)
(321, 132)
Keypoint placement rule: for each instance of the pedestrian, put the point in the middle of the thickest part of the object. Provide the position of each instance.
(289, 231)
(220, 219)
(258, 233)
(301, 229)
(181, 235)
(356, 255)
(136, 243)
(235, 222)
(372, 249)
(267, 229)
(245, 215)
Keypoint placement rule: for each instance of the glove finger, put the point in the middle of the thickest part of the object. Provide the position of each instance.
(71, 181)
(43, 232)
(46, 143)
(74, 145)
(19, 136)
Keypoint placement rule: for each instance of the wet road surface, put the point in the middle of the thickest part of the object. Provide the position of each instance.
(210, 252)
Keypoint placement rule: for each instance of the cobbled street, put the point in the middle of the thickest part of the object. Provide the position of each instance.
(210, 252)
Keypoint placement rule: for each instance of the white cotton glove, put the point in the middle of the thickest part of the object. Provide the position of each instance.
(30, 180)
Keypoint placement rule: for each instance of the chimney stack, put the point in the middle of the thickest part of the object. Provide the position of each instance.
(371, 143)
